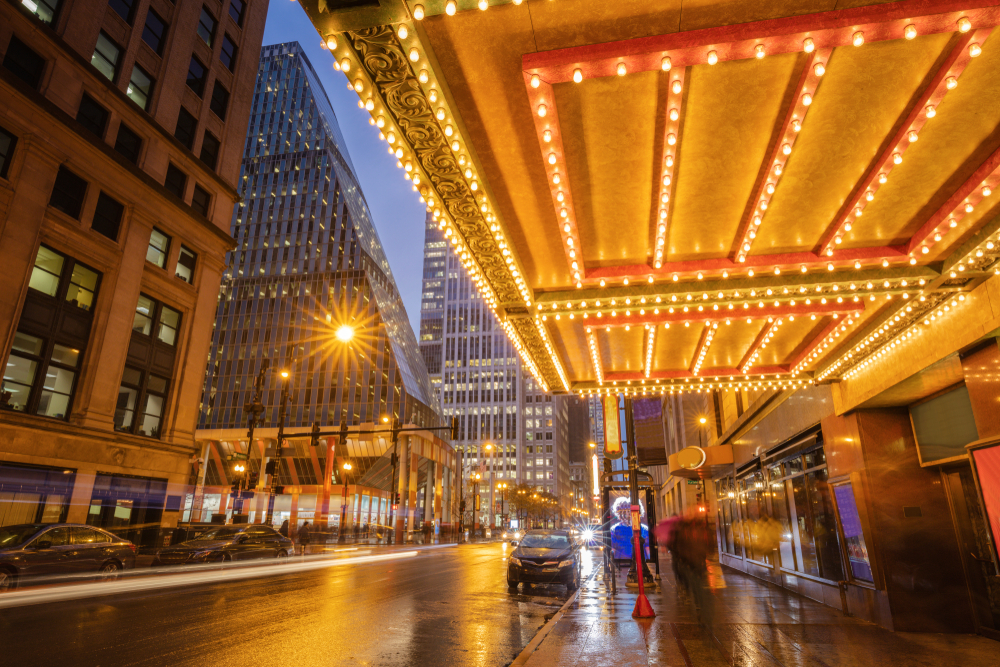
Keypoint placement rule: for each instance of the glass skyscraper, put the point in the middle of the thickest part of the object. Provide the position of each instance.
(308, 262)
(479, 378)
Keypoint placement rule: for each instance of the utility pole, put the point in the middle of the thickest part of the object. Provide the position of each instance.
(273, 463)
(461, 497)
(343, 496)
(254, 411)
(393, 486)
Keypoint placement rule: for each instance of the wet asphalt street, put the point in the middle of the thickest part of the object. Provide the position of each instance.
(442, 607)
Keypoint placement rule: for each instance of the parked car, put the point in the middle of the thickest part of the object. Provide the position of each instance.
(545, 557)
(227, 543)
(29, 550)
(512, 536)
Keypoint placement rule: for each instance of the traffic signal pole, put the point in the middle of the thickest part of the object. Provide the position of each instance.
(394, 488)
(273, 463)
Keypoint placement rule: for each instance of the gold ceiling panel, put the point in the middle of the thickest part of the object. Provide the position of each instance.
(621, 350)
(732, 104)
(791, 337)
(479, 54)
(609, 127)
(569, 338)
(675, 347)
(951, 147)
(857, 104)
(565, 23)
(730, 343)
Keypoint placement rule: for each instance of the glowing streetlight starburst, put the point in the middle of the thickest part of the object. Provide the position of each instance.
(345, 333)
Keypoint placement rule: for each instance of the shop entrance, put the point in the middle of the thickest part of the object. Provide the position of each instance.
(970, 527)
(130, 507)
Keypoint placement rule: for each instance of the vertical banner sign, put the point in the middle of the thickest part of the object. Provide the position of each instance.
(612, 432)
(477, 502)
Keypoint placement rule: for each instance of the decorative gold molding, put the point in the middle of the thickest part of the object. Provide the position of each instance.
(384, 60)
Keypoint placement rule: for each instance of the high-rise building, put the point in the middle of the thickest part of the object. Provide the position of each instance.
(308, 291)
(121, 130)
(308, 270)
(480, 380)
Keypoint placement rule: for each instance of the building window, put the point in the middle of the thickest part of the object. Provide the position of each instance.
(54, 330)
(7, 143)
(24, 63)
(185, 265)
(206, 26)
(220, 100)
(140, 87)
(185, 129)
(142, 395)
(154, 33)
(107, 216)
(176, 181)
(209, 150)
(105, 57)
(201, 200)
(45, 10)
(92, 115)
(123, 8)
(128, 144)
(68, 193)
(196, 76)
(236, 9)
(159, 246)
(228, 53)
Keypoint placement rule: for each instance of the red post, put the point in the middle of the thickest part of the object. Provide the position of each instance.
(642, 607)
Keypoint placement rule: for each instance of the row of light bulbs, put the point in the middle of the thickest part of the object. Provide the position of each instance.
(543, 332)
(703, 348)
(529, 362)
(650, 344)
(893, 155)
(823, 345)
(896, 343)
(780, 382)
(817, 68)
(670, 151)
(772, 331)
(451, 7)
(595, 356)
(989, 244)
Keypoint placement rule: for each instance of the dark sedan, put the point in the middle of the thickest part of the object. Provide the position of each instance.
(49, 550)
(226, 543)
(545, 557)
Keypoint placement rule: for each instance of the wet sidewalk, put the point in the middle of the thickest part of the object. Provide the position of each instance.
(754, 624)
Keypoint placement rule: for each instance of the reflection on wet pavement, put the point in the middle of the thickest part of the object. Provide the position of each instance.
(754, 624)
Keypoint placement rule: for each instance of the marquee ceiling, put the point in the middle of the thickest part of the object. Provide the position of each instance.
(662, 195)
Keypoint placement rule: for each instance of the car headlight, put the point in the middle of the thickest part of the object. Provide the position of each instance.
(588, 534)
(565, 563)
(515, 561)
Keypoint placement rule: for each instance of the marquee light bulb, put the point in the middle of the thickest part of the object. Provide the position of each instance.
(369, 104)
(665, 64)
(858, 39)
(674, 114)
(345, 65)
(418, 12)
(975, 50)
(621, 69)
(671, 139)
(414, 54)
(759, 51)
(552, 158)
(713, 57)
(577, 75)
(786, 149)
(910, 31)
(542, 110)
(807, 99)
(484, 5)
(882, 178)
(912, 136)
(897, 158)
(423, 76)
(331, 42)
(808, 45)
(964, 24)
(676, 87)
(450, 8)
(950, 83)
(535, 81)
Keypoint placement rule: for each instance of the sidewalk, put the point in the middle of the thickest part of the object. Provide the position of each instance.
(755, 624)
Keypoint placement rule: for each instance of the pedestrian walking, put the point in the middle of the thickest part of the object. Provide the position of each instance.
(284, 528)
(304, 536)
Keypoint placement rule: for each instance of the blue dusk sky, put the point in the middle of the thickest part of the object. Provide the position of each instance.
(395, 207)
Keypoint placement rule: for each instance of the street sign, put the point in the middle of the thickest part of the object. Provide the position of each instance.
(244, 495)
(285, 451)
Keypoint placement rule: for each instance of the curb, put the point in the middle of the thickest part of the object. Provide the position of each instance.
(540, 636)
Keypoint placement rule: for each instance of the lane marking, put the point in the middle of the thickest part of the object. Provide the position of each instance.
(105, 588)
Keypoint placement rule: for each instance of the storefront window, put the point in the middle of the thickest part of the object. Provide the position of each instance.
(854, 537)
(753, 503)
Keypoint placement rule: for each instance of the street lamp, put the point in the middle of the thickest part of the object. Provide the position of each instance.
(475, 477)
(273, 463)
(343, 505)
(502, 488)
(345, 333)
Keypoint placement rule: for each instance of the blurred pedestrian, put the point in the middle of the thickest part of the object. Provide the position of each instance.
(692, 544)
(284, 528)
(304, 536)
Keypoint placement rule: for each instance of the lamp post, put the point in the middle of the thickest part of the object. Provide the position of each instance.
(273, 463)
(502, 488)
(489, 450)
(343, 506)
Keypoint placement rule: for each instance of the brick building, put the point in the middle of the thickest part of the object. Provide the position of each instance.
(121, 132)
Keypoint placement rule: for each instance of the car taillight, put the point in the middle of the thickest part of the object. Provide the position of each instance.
(134, 548)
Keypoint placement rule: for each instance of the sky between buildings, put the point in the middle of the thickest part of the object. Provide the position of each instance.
(395, 207)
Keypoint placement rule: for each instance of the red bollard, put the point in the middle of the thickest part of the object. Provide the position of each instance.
(642, 607)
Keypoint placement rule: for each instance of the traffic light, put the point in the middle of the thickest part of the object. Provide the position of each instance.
(252, 479)
(343, 431)
(395, 431)
(454, 428)
(314, 436)
(397, 499)
(270, 467)
(461, 506)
